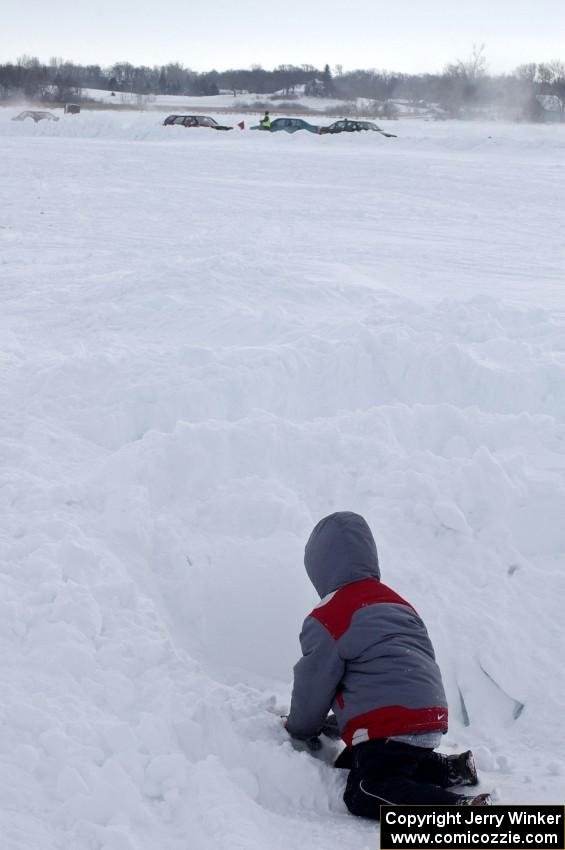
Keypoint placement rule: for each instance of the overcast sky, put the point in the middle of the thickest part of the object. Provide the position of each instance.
(403, 35)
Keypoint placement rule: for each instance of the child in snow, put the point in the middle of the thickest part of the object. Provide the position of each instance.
(367, 655)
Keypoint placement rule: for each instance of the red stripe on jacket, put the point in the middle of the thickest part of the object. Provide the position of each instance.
(336, 614)
(394, 720)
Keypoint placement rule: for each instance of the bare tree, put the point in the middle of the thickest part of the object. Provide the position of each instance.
(472, 68)
(230, 79)
(552, 76)
(527, 73)
(286, 78)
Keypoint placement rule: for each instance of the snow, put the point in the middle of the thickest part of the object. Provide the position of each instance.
(224, 100)
(209, 341)
(173, 101)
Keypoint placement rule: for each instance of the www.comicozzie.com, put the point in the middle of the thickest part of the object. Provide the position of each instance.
(441, 827)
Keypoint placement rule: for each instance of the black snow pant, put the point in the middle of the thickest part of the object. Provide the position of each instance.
(385, 771)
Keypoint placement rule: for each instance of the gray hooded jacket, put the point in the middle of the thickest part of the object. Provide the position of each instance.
(366, 652)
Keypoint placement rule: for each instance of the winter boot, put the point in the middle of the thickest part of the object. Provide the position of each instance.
(479, 800)
(461, 770)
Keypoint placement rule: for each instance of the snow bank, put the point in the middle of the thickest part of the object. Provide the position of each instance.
(415, 138)
(206, 346)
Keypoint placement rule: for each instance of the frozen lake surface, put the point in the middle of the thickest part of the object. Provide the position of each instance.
(209, 341)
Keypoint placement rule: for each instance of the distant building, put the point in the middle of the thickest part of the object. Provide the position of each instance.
(315, 88)
(551, 106)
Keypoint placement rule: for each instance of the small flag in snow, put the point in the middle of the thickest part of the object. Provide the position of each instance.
(241, 125)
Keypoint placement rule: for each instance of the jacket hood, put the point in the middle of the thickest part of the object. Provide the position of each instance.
(341, 549)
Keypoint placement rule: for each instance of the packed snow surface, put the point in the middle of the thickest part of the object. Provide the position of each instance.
(208, 342)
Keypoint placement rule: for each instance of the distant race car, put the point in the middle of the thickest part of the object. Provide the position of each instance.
(35, 116)
(346, 125)
(289, 125)
(195, 121)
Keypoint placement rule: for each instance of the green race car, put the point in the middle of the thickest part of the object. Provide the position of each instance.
(289, 125)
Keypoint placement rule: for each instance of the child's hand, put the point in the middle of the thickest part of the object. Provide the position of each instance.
(313, 744)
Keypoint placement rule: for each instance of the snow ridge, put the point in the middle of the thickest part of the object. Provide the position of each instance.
(204, 350)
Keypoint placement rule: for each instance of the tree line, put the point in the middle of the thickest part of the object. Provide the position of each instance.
(462, 85)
